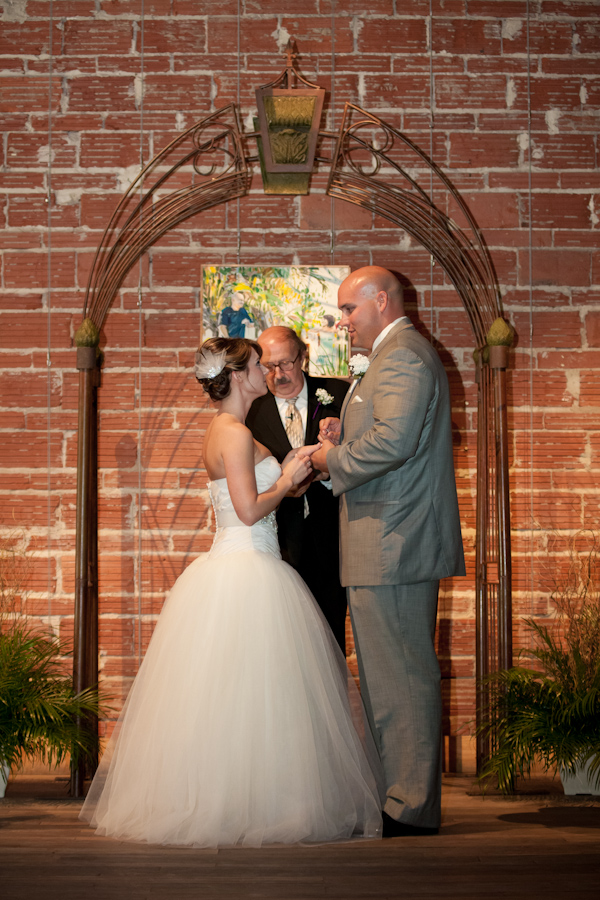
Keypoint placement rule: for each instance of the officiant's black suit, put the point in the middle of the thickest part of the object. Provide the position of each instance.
(310, 544)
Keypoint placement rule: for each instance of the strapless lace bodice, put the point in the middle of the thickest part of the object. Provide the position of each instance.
(232, 535)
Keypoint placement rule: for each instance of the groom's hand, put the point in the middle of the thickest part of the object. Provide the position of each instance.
(330, 430)
(319, 457)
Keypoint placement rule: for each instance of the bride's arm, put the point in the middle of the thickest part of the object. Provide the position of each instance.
(238, 460)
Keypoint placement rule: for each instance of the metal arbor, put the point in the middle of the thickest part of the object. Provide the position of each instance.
(374, 166)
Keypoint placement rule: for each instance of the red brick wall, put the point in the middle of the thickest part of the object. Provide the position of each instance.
(71, 132)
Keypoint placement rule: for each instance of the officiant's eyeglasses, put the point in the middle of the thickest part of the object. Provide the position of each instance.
(286, 365)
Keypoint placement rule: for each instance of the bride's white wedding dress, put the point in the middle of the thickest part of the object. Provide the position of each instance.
(243, 725)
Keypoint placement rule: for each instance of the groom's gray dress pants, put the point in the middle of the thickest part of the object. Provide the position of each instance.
(394, 628)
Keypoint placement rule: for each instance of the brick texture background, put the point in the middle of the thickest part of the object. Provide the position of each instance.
(73, 92)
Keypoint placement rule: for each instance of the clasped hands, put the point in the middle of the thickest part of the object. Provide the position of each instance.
(329, 436)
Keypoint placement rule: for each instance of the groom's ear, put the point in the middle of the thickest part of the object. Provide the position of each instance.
(382, 300)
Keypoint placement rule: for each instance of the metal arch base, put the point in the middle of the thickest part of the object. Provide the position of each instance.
(374, 166)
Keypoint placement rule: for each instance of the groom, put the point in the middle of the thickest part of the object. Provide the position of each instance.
(390, 460)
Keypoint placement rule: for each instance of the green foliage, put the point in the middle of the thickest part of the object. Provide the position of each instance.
(38, 707)
(551, 714)
(40, 714)
(534, 717)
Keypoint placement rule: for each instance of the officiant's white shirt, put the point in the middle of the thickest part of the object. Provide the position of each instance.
(301, 405)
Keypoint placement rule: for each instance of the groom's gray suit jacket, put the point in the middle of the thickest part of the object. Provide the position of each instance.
(399, 520)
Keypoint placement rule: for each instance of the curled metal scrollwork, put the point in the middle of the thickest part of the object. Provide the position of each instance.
(143, 216)
(355, 141)
(223, 143)
(381, 169)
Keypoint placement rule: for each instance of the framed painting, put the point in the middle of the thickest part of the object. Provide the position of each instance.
(242, 301)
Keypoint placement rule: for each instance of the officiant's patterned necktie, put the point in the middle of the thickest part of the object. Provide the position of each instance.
(293, 424)
(295, 434)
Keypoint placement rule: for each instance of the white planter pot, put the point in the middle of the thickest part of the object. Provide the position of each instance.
(580, 783)
(4, 773)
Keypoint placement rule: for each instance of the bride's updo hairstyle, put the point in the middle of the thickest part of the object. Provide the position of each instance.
(218, 358)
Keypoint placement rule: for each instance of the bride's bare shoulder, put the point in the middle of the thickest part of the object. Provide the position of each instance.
(226, 438)
(228, 427)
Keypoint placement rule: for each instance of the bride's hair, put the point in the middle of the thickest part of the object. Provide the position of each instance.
(223, 356)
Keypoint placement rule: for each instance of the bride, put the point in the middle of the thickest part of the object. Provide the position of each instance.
(243, 725)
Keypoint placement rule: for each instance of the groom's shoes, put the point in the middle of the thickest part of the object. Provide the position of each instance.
(392, 828)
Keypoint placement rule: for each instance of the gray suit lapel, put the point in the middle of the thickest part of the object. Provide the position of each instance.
(347, 399)
(401, 326)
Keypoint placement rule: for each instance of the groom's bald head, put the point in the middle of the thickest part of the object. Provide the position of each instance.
(369, 299)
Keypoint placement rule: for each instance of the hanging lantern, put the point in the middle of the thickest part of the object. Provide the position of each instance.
(289, 115)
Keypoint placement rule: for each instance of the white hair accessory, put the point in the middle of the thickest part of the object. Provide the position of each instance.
(209, 364)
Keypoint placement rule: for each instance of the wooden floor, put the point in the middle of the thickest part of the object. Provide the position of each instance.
(537, 845)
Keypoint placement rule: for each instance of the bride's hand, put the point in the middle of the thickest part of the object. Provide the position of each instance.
(297, 467)
(302, 452)
(308, 450)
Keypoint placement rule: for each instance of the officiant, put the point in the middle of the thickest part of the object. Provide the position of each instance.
(308, 519)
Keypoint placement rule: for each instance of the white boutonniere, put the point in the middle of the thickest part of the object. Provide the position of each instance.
(324, 398)
(358, 365)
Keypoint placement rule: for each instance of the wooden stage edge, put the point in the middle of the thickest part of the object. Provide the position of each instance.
(537, 845)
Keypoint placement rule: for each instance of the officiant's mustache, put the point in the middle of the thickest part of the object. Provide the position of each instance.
(281, 379)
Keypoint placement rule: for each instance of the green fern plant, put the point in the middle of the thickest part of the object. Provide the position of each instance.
(41, 717)
(550, 714)
(38, 706)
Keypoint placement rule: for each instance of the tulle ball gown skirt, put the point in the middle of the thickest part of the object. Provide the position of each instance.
(243, 725)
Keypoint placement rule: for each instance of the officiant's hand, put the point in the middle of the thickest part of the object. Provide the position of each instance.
(299, 490)
(330, 430)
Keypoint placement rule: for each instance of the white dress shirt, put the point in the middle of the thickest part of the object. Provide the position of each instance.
(387, 329)
(301, 406)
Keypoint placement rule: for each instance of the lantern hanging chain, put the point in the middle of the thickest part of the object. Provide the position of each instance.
(140, 335)
(238, 208)
(238, 88)
(530, 278)
(431, 197)
(332, 200)
(49, 317)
